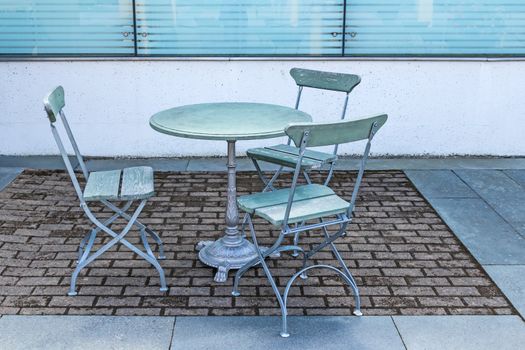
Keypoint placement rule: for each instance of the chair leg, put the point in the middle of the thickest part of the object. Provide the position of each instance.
(82, 245)
(296, 239)
(157, 240)
(145, 243)
(351, 280)
(82, 263)
(96, 229)
(267, 183)
(117, 238)
(122, 212)
(282, 303)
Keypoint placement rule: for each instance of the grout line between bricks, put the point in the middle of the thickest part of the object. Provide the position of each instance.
(366, 221)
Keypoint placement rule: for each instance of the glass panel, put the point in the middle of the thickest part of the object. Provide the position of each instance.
(435, 27)
(66, 27)
(239, 27)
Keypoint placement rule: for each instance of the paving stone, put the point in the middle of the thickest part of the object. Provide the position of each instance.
(158, 164)
(461, 332)
(519, 227)
(7, 175)
(397, 252)
(36, 162)
(440, 184)
(510, 279)
(306, 333)
(85, 332)
(481, 229)
(503, 194)
(79, 300)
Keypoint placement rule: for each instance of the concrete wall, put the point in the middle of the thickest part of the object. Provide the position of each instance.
(435, 107)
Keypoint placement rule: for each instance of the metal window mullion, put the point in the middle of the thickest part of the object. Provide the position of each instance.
(343, 46)
(135, 47)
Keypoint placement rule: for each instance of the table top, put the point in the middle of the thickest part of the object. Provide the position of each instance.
(227, 121)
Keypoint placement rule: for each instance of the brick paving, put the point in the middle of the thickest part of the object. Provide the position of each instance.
(405, 259)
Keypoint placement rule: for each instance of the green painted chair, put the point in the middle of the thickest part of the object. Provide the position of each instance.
(287, 155)
(124, 185)
(308, 207)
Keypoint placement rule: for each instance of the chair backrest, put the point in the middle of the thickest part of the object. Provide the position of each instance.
(324, 134)
(54, 103)
(325, 80)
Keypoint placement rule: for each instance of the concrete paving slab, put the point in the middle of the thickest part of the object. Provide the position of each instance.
(500, 191)
(262, 333)
(7, 175)
(219, 164)
(440, 184)
(461, 332)
(487, 236)
(85, 332)
(157, 164)
(510, 279)
(516, 175)
(485, 163)
(36, 162)
(344, 163)
(520, 227)
(349, 163)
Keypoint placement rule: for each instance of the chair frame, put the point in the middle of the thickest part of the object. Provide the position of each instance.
(268, 183)
(86, 245)
(342, 220)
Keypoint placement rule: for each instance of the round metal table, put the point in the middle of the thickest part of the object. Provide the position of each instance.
(229, 122)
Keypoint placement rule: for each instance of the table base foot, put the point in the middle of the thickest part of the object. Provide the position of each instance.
(225, 257)
(221, 275)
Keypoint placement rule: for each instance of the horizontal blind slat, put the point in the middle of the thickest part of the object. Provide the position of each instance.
(239, 27)
(64, 27)
(435, 27)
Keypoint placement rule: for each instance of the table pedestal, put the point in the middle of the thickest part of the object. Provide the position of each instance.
(231, 251)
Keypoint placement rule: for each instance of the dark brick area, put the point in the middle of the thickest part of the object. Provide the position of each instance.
(404, 258)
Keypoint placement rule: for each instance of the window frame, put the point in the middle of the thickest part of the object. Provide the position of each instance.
(344, 56)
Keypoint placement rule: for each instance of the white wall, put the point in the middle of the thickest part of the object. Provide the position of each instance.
(435, 108)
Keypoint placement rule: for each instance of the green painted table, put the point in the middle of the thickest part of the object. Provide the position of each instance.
(228, 122)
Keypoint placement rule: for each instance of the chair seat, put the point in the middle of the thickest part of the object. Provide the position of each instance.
(137, 183)
(310, 202)
(288, 155)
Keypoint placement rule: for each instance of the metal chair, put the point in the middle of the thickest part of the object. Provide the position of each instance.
(310, 206)
(286, 155)
(127, 185)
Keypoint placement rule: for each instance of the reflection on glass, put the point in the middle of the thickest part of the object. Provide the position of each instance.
(435, 27)
(61, 27)
(240, 27)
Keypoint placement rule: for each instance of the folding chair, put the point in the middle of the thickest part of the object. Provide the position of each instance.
(128, 185)
(310, 206)
(286, 155)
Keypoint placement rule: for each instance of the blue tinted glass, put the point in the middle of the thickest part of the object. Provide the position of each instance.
(435, 27)
(66, 27)
(263, 27)
(239, 27)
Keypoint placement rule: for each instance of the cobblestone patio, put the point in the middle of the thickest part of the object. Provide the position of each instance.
(405, 259)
